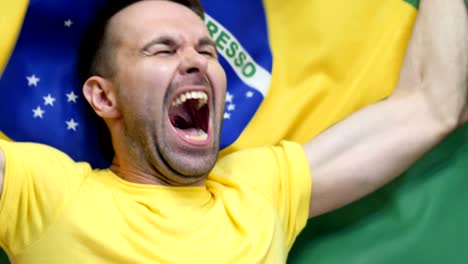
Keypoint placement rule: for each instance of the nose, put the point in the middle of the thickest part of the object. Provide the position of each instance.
(193, 62)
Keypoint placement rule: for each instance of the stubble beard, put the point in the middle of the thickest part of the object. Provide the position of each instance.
(156, 157)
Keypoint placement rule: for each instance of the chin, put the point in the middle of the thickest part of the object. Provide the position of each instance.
(197, 169)
(191, 165)
(183, 178)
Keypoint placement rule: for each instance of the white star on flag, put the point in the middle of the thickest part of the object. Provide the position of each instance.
(71, 125)
(32, 80)
(249, 94)
(38, 112)
(227, 115)
(68, 23)
(229, 97)
(72, 97)
(231, 107)
(49, 100)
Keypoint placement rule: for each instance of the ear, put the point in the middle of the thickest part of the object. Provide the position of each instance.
(101, 96)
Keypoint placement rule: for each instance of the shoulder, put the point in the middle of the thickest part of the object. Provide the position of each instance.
(35, 159)
(265, 168)
(35, 151)
(285, 153)
(279, 174)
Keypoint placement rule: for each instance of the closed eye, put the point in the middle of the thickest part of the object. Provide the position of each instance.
(208, 53)
(164, 52)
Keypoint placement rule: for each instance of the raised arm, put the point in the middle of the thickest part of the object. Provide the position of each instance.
(376, 144)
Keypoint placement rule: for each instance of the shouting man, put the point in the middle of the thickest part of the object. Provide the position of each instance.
(154, 79)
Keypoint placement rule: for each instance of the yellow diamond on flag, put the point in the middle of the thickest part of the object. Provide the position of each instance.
(11, 18)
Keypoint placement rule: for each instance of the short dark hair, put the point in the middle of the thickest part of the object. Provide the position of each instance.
(94, 58)
(93, 54)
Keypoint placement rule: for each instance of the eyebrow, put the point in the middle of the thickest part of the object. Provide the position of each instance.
(168, 41)
(206, 41)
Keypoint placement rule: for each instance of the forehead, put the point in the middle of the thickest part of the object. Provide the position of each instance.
(144, 20)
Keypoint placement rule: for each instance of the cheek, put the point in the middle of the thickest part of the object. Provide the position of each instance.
(160, 70)
(218, 80)
(146, 84)
(155, 77)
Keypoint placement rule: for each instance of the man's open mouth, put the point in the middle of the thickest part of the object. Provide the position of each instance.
(189, 115)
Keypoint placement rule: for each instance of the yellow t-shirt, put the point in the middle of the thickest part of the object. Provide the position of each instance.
(54, 210)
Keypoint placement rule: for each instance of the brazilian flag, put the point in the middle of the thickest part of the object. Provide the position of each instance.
(331, 58)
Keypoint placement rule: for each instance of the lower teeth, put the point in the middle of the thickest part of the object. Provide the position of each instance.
(200, 137)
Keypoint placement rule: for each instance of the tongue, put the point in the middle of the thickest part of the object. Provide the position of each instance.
(191, 132)
(184, 124)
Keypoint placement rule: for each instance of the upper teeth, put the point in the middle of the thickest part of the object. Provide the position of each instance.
(201, 96)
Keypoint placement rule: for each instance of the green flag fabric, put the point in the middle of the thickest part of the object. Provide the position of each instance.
(422, 217)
